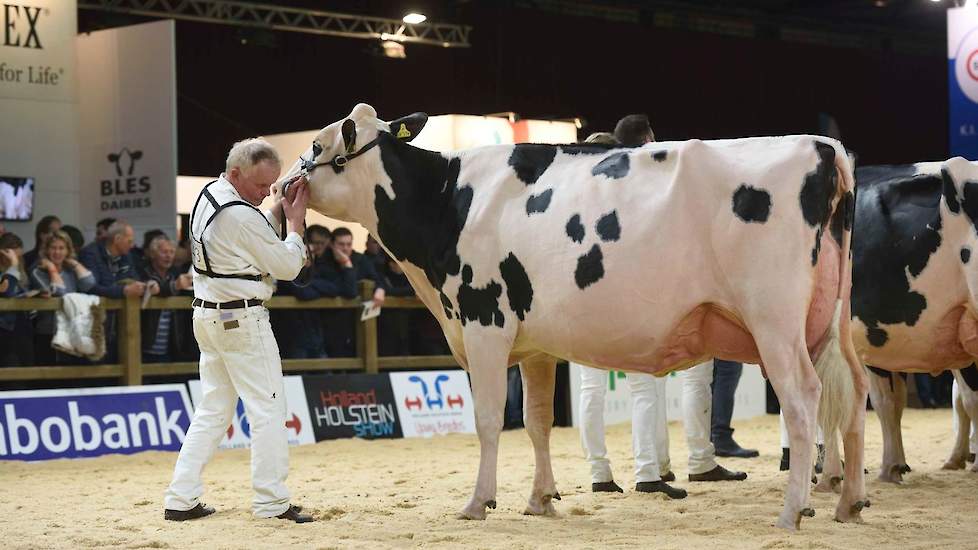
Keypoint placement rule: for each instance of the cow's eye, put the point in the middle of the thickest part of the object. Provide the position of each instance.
(317, 149)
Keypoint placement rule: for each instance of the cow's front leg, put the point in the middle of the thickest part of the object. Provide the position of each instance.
(962, 425)
(889, 397)
(539, 377)
(487, 359)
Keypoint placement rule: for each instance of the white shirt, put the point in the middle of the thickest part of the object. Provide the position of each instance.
(240, 242)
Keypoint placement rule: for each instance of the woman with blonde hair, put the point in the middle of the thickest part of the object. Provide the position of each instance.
(57, 272)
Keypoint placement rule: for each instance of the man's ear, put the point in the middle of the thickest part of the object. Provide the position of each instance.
(349, 132)
(407, 128)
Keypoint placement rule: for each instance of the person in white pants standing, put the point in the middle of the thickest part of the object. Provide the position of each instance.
(650, 435)
(237, 256)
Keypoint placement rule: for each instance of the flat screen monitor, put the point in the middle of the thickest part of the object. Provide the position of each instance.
(16, 198)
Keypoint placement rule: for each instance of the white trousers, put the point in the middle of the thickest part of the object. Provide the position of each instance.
(650, 434)
(238, 357)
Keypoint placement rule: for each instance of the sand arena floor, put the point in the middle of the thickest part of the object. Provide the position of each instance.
(405, 493)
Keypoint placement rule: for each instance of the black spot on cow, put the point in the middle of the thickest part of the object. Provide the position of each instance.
(950, 192)
(575, 230)
(518, 287)
(819, 187)
(587, 148)
(608, 227)
(751, 204)
(446, 303)
(965, 254)
(877, 336)
(970, 375)
(590, 268)
(614, 166)
(660, 156)
(842, 218)
(531, 160)
(479, 304)
(969, 204)
(423, 220)
(539, 203)
(897, 229)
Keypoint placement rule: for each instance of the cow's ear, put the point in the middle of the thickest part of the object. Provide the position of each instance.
(349, 131)
(136, 155)
(407, 128)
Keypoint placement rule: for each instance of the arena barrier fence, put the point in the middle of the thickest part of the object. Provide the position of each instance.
(131, 371)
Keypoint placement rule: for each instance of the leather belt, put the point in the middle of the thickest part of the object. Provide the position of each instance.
(234, 304)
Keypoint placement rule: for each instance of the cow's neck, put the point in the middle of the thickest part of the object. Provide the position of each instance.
(421, 223)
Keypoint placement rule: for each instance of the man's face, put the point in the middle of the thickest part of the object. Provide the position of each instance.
(55, 226)
(123, 242)
(100, 232)
(344, 244)
(255, 183)
(373, 247)
(318, 244)
(163, 257)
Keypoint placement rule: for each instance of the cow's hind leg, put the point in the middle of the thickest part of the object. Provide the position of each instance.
(853, 498)
(539, 376)
(831, 480)
(487, 356)
(793, 377)
(959, 452)
(888, 393)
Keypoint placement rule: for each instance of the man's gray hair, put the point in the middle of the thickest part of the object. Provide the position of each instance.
(249, 152)
(155, 244)
(118, 227)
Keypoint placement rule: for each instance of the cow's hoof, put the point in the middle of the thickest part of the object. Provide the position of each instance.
(905, 469)
(556, 495)
(542, 507)
(974, 469)
(790, 523)
(829, 484)
(891, 474)
(807, 512)
(954, 464)
(475, 510)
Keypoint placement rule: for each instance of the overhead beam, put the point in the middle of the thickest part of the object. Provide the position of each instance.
(264, 16)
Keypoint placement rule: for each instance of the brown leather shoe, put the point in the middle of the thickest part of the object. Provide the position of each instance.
(198, 511)
(292, 514)
(719, 474)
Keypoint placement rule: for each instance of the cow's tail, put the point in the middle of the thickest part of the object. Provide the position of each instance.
(836, 405)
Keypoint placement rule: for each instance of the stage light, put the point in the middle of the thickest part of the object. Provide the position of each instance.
(414, 18)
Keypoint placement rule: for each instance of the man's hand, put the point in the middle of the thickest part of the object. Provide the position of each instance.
(295, 208)
(11, 256)
(341, 258)
(154, 288)
(379, 296)
(185, 281)
(134, 289)
(71, 263)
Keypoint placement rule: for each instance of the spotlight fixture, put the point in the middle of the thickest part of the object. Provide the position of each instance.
(414, 18)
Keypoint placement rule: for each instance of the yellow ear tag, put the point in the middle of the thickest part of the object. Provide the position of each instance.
(403, 132)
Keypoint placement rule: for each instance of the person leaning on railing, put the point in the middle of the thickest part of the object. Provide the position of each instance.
(165, 334)
(56, 273)
(16, 330)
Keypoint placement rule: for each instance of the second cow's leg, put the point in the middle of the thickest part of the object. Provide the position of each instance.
(959, 452)
(889, 396)
(539, 377)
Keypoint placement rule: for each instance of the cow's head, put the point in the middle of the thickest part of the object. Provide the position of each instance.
(343, 163)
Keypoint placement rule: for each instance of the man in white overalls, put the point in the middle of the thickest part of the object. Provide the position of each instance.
(237, 257)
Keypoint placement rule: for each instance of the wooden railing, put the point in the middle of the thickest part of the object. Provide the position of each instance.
(130, 370)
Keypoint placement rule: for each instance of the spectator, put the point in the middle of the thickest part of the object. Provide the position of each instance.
(138, 253)
(16, 332)
(77, 238)
(339, 324)
(56, 273)
(634, 131)
(181, 258)
(102, 227)
(602, 138)
(394, 326)
(43, 230)
(110, 262)
(376, 255)
(318, 239)
(164, 331)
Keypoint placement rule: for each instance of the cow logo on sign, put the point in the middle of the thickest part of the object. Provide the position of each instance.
(126, 189)
(437, 399)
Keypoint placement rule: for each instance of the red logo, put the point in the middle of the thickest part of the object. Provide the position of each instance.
(456, 400)
(972, 65)
(295, 424)
(412, 403)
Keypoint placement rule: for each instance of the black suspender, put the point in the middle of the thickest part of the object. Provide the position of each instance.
(217, 210)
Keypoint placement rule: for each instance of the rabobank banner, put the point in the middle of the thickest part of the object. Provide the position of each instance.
(72, 423)
(962, 69)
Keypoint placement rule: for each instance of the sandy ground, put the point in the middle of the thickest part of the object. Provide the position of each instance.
(404, 493)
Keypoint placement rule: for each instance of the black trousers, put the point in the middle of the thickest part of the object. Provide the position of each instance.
(726, 376)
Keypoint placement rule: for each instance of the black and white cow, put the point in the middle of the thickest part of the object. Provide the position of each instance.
(650, 259)
(914, 289)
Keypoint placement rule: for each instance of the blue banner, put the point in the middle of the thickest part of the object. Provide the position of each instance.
(962, 71)
(47, 424)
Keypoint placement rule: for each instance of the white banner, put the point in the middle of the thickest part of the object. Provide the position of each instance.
(127, 101)
(37, 49)
(433, 402)
(749, 400)
(297, 419)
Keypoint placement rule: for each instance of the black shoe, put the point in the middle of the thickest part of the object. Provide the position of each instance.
(971, 458)
(732, 449)
(660, 487)
(819, 458)
(292, 514)
(606, 487)
(670, 477)
(198, 511)
(719, 474)
(785, 459)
